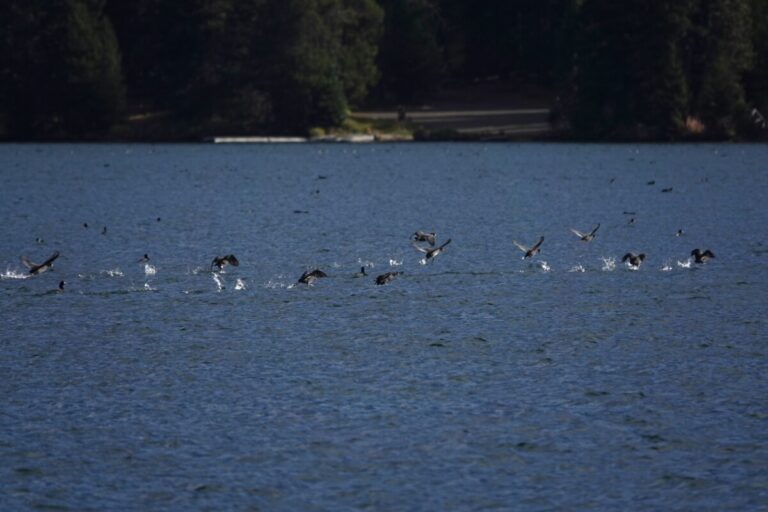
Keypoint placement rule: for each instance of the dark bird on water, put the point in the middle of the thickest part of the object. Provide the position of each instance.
(431, 253)
(702, 257)
(668, 189)
(385, 278)
(310, 276)
(104, 230)
(679, 232)
(34, 268)
(634, 259)
(222, 261)
(362, 273)
(61, 286)
(144, 259)
(529, 251)
(423, 236)
(586, 237)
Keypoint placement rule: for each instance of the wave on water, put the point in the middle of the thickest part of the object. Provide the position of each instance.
(12, 274)
(149, 270)
(609, 264)
(219, 282)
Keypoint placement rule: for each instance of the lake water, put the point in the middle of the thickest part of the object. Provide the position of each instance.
(478, 381)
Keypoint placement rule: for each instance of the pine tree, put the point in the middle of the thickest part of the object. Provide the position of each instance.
(61, 71)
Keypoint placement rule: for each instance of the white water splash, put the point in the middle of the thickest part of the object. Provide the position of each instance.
(115, 272)
(609, 264)
(395, 263)
(148, 288)
(666, 267)
(366, 263)
(239, 284)
(684, 264)
(197, 270)
(578, 268)
(423, 261)
(12, 274)
(149, 270)
(544, 266)
(219, 282)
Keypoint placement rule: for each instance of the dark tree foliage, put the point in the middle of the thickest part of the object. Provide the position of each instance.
(756, 77)
(631, 69)
(530, 38)
(722, 54)
(362, 24)
(61, 69)
(646, 66)
(411, 57)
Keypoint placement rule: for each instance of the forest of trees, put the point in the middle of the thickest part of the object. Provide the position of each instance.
(630, 69)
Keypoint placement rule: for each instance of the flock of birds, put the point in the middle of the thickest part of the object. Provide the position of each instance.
(423, 241)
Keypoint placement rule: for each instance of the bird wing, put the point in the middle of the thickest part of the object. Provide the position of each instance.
(25, 261)
(538, 244)
(578, 233)
(520, 246)
(595, 230)
(446, 243)
(51, 259)
(431, 239)
(418, 248)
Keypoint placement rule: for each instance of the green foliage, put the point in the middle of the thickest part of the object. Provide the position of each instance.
(411, 57)
(645, 66)
(632, 69)
(62, 69)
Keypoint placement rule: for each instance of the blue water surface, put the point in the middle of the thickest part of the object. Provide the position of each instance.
(477, 381)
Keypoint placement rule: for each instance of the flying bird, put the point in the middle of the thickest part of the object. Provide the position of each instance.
(34, 268)
(310, 276)
(532, 251)
(634, 259)
(702, 257)
(431, 253)
(586, 237)
(222, 261)
(423, 236)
